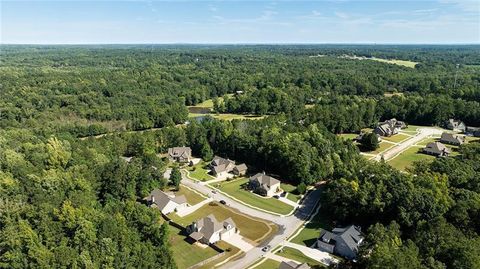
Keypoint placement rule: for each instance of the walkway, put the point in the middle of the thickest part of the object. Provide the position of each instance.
(288, 201)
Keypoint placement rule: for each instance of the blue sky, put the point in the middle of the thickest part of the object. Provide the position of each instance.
(327, 21)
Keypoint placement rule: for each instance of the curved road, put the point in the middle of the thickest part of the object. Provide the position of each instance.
(287, 225)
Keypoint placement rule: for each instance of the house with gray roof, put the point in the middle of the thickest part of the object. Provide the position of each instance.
(452, 139)
(436, 149)
(473, 131)
(389, 127)
(220, 167)
(180, 154)
(264, 185)
(341, 241)
(293, 265)
(208, 230)
(455, 125)
(166, 203)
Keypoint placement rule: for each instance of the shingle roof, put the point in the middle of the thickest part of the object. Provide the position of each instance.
(265, 180)
(436, 147)
(452, 138)
(185, 152)
(162, 199)
(241, 167)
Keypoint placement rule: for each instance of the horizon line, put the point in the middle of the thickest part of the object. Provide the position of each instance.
(240, 43)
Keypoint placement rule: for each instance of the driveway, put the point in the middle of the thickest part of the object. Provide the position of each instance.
(238, 241)
(313, 253)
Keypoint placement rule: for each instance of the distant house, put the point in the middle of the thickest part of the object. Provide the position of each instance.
(180, 154)
(455, 125)
(220, 167)
(436, 149)
(452, 139)
(474, 131)
(208, 230)
(341, 241)
(165, 203)
(360, 136)
(264, 185)
(389, 127)
(240, 170)
(293, 265)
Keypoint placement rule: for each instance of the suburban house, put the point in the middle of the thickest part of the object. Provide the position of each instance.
(359, 137)
(180, 154)
(264, 185)
(293, 265)
(208, 230)
(473, 131)
(165, 203)
(452, 139)
(341, 241)
(456, 125)
(436, 149)
(240, 170)
(389, 127)
(220, 167)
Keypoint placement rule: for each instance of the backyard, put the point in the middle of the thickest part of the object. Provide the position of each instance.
(252, 228)
(234, 188)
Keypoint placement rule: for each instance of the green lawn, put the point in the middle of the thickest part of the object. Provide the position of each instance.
(469, 139)
(186, 254)
(291, 190)
(383, 146)
(234, 188)
(298, 256)
(192, 197)
(199, 172)
(227, 116)
(230, 251)
(348, 136)
(406, 158)
(425, 141)
(252, 228)
(396, 138)
(205, 104)
(309, 234)
(413, 128)
(268, 264)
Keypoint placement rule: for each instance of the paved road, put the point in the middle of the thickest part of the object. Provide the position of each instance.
(422, 134)
(288, 225)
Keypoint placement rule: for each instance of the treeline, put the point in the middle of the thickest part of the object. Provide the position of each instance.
(426, 219)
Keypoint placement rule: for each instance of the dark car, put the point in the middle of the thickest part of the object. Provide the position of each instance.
(266, 248)
(223, 202)
(276, 196)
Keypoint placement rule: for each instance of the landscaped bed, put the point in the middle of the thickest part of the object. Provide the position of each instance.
(252, 228)
(234, 188)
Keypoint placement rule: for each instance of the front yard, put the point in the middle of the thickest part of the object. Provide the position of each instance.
(298, 256)
(396, 138)
(192, 197)
(292, 192)
(199, 172)
(252, 228)
(310, 233)
(268, 264)
(234, 188)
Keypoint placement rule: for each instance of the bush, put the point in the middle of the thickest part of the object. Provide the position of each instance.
(301, 188)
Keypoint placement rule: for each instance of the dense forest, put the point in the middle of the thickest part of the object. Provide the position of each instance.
(69, 202)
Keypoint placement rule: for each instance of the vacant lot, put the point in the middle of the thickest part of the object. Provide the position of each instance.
(310, 233)
(397, 62)
(348, 136)
(296, 255)
(235, 189)
(406, 158)
(251, 228)
(384, 145)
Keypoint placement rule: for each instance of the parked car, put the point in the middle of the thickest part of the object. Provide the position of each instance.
(266, 248)
(214, 191)
(223, 202)
(276, 196)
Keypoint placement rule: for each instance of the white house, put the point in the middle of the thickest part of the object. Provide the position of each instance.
(208, 230)
(165, 203)
(264, 185)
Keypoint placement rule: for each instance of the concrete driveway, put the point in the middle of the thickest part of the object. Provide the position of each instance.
(238, 241)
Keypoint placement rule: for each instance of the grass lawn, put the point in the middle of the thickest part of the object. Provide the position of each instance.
(396, 138)
(296, 255)
(205, 104)
(230, 250)
(251, 228)
(227, 116)
(192, 197)
(348, 136)
(469, 139)
(309, 234)
(406, 158)
(412, 128)
(292, 196)
(184, 253)
(268, 264)
(427, 140)
(234, 189)
(199, 172)
(383, 146)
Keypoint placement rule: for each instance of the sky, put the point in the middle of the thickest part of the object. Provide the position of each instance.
(228, 21)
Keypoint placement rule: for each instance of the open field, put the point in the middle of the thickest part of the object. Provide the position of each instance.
(296, 255)
(184, 253)
(234, 188)
(192, 197)
(291, 190)
(309, 234)
(396, 138)
(268, 264)
(249, 227)
(406, 158)
(397, 62)
(227, 116)
(199, 172)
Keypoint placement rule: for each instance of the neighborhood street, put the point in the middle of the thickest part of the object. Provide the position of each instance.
(288, 224)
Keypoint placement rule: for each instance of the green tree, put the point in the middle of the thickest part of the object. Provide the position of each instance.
(175, 177)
